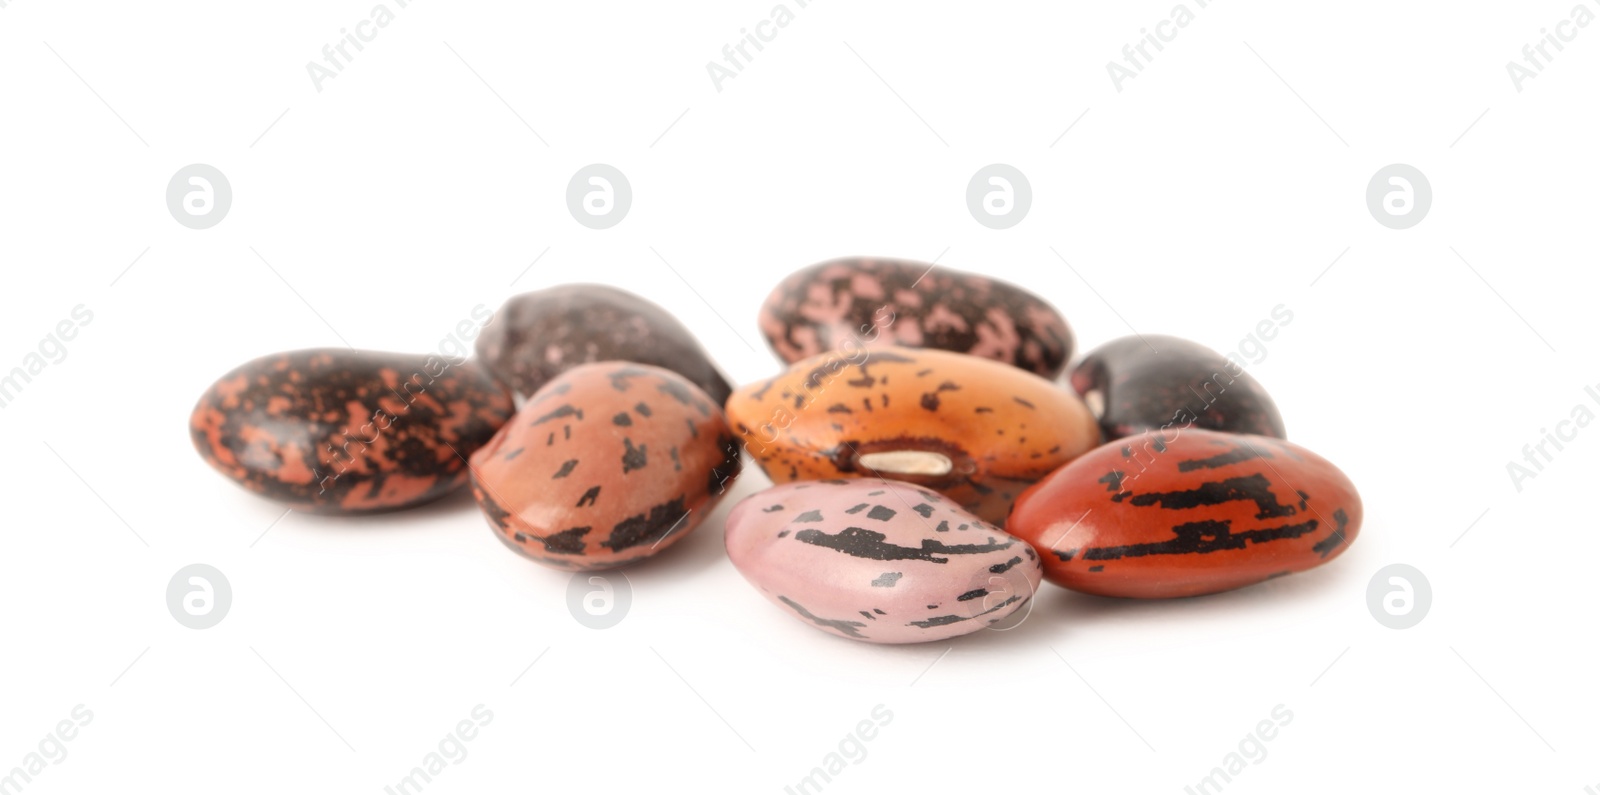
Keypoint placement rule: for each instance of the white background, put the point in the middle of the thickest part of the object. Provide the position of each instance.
(413, 187)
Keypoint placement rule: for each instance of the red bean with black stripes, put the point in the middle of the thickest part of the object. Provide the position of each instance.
(606, 465)
(1189, 513)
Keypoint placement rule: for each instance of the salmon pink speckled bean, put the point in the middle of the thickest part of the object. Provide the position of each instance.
(608, 464)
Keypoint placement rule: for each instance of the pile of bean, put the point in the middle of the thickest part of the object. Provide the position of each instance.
(931, 468)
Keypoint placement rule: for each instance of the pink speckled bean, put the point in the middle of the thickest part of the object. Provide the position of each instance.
(883, 301)
(883, 562)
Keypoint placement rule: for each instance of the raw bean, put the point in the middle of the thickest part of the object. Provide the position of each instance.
(608, 464)
(340, 431)
(1195, 512)
(1179, 384)
(879, 562)
(539, 335)
(973, 429)
(913, 304)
